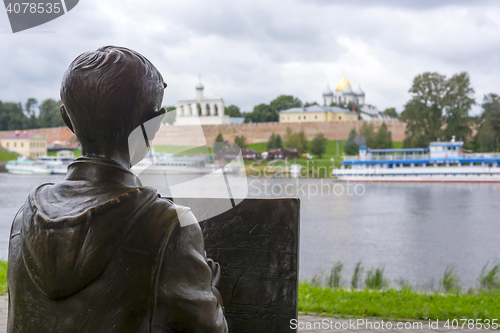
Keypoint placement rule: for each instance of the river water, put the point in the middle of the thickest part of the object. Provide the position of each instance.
(413, 230)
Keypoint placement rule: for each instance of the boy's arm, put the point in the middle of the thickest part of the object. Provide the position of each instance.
(185, 298)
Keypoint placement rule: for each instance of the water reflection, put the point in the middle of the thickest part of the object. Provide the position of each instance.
(413, 229)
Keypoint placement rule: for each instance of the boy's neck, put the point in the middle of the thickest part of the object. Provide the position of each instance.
(111, 151)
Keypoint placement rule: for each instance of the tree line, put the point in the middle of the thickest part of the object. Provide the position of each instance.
(440, 107)
(295, 140)
(382, 139)
(15, 116)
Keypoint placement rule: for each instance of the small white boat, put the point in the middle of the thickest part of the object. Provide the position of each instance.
(295, 170)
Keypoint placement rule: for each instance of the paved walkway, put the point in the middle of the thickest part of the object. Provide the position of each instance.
(4, 304)
(310, 324)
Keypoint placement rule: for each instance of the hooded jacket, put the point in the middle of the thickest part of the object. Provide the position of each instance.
(98, 252)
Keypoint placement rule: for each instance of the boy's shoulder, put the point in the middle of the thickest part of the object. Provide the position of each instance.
(165, 211)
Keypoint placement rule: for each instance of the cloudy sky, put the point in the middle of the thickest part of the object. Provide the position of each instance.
(249, 52)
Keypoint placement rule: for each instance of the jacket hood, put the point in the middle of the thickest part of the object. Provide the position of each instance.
(72, 230)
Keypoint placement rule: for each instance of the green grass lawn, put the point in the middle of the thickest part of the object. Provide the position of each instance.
(388, 304)
(183, 150)
(259, 146)
(6, 156)
(77, 153)
(316, 167)
(397, 144)
(3, 277)
(394, 304)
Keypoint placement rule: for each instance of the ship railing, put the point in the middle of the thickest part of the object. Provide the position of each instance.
(399, 157)
(480, 155)
(387, 157)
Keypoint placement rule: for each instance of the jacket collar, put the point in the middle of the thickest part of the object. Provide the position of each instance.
(101, 170)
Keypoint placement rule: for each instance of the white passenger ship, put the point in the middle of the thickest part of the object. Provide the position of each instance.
(441, 162)
(169, 164)
(43, 165)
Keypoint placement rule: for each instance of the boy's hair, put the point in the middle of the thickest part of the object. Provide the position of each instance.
(108, 92)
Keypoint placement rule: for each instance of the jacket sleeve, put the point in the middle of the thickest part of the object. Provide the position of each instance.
(185, 301)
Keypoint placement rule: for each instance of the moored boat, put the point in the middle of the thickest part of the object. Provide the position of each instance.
(441, 162)
(43, 165)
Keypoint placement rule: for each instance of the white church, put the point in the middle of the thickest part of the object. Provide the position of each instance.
(344, 94)
(200, 110)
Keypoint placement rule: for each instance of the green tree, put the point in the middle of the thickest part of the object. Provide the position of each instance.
(310, 104)
(383, 138)
(458, 102)
(285, 102)
(439, 108)
(261, 113)
(351, 106)
(219, 144)
(240, 141)
(232, 111)
(270, 112)
(423, 114)
(318, 145)
(350, 147)
(219, 138)
(488, 135)
(368, 132)
(296, 140)
(50, 114)
(12, 117)
(30, 113)
(340, 105)
(391, 112)
(274, 141)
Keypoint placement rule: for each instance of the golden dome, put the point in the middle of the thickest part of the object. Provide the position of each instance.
(343, 83)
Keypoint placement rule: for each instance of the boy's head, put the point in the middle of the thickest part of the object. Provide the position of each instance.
(109, 92)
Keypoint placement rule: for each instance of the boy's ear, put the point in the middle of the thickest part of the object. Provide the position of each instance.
(65, 118)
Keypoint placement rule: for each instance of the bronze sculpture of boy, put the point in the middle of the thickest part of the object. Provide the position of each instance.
(98, 252)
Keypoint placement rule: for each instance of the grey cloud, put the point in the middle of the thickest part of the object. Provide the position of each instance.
(251, 51)
(406, 4)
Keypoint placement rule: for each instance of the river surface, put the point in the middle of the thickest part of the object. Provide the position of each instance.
(413, 230)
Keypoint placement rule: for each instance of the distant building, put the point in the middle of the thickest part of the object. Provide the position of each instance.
(25, 143)
(246, 153)
(200, 110)
(344, 94)
(282, 153)
(316, 113)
